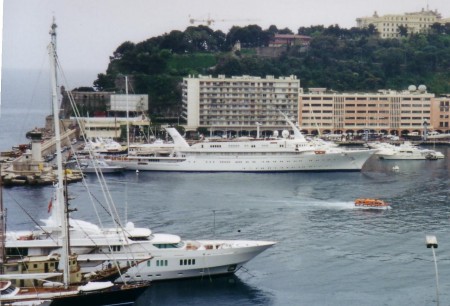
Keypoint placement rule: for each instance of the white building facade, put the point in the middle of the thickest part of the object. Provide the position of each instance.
(239, 103)
(388, 25)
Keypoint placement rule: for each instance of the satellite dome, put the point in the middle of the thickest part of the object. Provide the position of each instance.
(285, 133)
(412, 88)
(422, 88)
(275, 133)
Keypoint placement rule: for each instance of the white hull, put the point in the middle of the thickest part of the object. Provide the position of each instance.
(401, 157)
(278, 162)
(291, 153)
(196, 263)
(158, 255)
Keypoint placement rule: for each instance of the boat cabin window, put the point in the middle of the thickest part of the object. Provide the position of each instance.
(16, 252)
(141, 238)
(186, 262)
(8, 290)
(162, 262)
(115, 248)
(167, 245)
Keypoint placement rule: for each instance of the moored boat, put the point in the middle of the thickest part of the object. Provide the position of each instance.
(289, 153)
(405, 151)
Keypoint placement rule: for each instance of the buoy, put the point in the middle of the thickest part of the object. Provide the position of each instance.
(137, 171)
(395, 168)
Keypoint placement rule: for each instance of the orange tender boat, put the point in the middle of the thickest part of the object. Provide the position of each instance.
(371, 203)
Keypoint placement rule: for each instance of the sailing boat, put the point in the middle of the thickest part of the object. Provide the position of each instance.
(52, 293)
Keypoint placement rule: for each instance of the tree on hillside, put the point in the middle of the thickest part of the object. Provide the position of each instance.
(336, 58)
(251, 36)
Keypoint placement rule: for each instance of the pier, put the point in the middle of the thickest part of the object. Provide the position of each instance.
(28, 167)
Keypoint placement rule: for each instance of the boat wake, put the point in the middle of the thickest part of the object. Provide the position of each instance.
(345, 205)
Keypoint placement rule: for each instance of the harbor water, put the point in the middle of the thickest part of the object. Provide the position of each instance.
(328, 252)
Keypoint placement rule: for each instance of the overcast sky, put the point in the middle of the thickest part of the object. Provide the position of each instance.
(90, 30)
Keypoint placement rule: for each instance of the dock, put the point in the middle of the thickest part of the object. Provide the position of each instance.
(26, 165)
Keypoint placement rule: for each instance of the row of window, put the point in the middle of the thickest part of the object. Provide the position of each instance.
(187, 262)
(363, 99)
(165, 262)
(242, 84)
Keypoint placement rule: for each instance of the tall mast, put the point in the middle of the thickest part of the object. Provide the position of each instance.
(128, 123)
(2, 226)
(60, 202)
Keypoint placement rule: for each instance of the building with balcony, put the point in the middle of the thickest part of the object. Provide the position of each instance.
(387, 112)
(440, 114)
(237, 105)
(389, 25)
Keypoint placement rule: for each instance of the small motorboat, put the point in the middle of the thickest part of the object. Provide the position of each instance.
(371, 203)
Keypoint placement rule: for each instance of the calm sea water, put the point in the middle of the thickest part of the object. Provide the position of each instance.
(328, 252)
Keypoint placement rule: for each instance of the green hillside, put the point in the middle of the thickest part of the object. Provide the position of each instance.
(339, 59)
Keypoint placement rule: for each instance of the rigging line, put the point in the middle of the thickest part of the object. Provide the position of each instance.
(34, 91)
(105, 190)
(107, 195)
(26, 212)
(247, 271)
(111, 258)
(83, 134)
(109, 201)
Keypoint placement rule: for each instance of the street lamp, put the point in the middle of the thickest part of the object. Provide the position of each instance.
(257, 129)
(431, 242)
(425, 131)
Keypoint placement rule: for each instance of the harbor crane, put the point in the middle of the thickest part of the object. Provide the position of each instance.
(209, 21)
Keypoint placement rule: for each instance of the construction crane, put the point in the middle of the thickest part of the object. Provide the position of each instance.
(209, 21)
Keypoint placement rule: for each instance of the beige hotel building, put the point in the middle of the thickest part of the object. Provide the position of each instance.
(387, 111)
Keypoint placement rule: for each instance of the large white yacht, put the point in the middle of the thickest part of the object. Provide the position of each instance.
(161, 256)
(288, 153)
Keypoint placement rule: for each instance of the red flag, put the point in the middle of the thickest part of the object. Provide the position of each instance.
(50, 204)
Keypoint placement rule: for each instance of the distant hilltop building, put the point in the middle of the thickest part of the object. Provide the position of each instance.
(281, 40)
(279, 43)
(389, 25)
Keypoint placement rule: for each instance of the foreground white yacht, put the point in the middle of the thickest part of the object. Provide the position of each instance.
(161, 256)
(272, 155)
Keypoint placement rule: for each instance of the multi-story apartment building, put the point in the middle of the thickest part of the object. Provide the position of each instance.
(387, 112)
(240, 103)
(440, 113)
(388, 25)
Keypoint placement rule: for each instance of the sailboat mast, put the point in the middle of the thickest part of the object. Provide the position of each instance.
(60, 187)
(3, 226)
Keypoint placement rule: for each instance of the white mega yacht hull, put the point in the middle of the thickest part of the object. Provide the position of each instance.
(161, 257)
(195, 263)
(277, 162)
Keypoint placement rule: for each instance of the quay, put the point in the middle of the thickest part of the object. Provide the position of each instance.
(26, 166)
